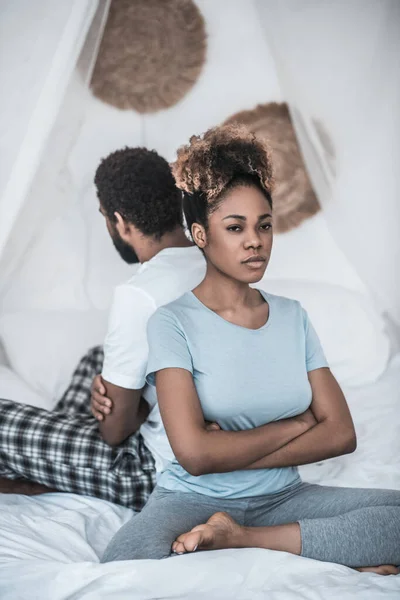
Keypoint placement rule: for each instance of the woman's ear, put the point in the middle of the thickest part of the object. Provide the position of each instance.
(199, 235)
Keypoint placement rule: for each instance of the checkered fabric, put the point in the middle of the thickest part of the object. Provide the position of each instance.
(63, 449)
(76, 399)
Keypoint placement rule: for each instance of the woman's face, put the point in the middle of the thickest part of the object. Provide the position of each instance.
(239, 238)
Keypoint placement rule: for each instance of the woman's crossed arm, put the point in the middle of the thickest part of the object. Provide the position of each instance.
(333, 435)
(200, 450)
(325, 432)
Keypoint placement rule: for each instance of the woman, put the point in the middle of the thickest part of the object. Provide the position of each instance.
(251, 362)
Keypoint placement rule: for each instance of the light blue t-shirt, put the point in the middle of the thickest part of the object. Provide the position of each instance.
(244, 378)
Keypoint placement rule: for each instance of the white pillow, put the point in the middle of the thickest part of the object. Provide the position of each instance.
(44, 347)
(351, 331)
(12, 387)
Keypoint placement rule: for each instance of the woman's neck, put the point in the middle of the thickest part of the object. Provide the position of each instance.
(220, 292)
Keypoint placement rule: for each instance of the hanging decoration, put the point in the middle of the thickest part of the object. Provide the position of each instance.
(151, 54)
(294, 198)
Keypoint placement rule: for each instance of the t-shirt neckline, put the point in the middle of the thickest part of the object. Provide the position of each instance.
(265, 326)
(175, 249)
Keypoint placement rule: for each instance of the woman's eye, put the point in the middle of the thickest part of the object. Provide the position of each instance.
(266, 226)
(234, 228)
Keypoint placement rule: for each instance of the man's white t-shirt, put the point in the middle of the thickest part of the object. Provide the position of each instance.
(163, 279)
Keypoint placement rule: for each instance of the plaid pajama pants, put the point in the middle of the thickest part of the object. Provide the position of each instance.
(63, 448)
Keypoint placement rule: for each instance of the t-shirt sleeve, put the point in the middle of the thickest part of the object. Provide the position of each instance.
(125, 347)
(168, 346)
(315, 357)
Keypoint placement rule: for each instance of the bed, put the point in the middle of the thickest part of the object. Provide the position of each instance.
(58, 270)
(50, 545)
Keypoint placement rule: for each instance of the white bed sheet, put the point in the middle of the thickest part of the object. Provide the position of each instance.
(50, 545)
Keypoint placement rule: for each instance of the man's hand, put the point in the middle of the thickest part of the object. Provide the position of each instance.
(100, 405)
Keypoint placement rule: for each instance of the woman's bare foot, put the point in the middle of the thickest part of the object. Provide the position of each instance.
(381, 570)
(220, 531)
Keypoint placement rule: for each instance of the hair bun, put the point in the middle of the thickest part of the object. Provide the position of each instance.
(209, 162)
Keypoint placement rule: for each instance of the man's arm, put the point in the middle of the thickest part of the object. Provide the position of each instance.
(129, 411)
(333, 434)
(125, 359)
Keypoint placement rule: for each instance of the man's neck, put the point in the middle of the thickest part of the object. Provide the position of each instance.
(171, 239)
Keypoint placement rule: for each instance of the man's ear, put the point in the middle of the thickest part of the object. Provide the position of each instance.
(199, 235)
(122, 226)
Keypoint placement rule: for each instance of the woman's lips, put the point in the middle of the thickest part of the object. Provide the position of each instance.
(254, 262)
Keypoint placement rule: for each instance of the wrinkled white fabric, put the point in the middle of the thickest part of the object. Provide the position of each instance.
(50, 545)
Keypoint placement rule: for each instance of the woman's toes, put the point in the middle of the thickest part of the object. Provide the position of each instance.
(185, 543)
(380, 570)
(191, 540)
(389, 570)
(220, 531)
(179, 548)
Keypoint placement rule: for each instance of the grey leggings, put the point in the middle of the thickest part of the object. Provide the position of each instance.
(349, 526)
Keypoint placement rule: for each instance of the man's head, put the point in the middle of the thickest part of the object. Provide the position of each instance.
(138, 197)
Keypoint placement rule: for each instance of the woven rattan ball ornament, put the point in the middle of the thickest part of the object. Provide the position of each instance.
(293, 196)
(151, 54)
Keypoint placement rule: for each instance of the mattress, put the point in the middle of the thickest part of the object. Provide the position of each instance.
(50, 545)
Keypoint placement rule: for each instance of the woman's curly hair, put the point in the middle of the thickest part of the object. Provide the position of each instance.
(211, 163)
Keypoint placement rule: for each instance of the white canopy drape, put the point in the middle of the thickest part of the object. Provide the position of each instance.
(47, 52)
(339, 67)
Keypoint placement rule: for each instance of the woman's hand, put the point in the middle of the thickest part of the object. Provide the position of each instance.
(100, 405)
(212, 426)
(196, 449)
(332, 435)
(307, 419)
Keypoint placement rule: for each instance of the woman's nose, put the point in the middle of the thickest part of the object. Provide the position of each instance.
(253, 242)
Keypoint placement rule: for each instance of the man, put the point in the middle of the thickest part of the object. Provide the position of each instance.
(68, 449)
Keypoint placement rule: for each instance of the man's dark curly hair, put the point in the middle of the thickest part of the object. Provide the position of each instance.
(220, 160)
(138, 184)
